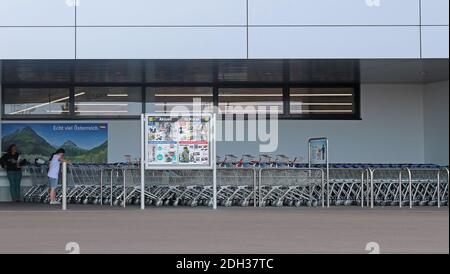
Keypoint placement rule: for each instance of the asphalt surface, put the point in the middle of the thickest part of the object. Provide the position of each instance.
(30, 228)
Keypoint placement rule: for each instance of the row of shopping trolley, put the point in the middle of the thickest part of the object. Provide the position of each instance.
(371, 185)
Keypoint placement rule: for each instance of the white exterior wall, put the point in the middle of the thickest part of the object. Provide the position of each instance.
(235, 29)
(436, 113)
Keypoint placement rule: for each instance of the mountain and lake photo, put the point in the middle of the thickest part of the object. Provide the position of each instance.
(83, 143)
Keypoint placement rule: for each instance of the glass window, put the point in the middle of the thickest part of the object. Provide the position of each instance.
(250, 100)
(110, 101)
(321, 101)
(179, 99)
(35, 101)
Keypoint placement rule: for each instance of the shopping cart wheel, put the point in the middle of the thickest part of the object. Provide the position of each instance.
(314, 203)
(228, 203)
(175, 203)
(193, 204)
(244, 203)
(279, 203)
(116, 203)
(348, 203)
(158, 203)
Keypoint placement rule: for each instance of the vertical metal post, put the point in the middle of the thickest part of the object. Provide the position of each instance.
(368, 187)
(124, 188)
(214, 162)
(328, 177)
(362, 188)
(64, 186)
(400, 200)
(259, 187)
(101, 187)
(143, 145)
(371, 189)
(111, 188)
(410, 187)
(322, 188)
(255, 189)
(439, 188)
(309, 158)
(448, 181)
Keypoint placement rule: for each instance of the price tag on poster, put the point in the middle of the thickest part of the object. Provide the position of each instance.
(178, 142)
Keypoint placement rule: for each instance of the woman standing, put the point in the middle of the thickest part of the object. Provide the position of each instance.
(10, 161)
(53, 173)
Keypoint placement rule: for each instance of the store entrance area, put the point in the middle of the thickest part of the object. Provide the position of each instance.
(383, 119)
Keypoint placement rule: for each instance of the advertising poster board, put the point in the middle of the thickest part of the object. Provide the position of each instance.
(318, 151)
(83, 142)
(178, 142)
(318, 156)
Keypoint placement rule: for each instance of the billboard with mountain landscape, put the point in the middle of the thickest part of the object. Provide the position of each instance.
(83, 142)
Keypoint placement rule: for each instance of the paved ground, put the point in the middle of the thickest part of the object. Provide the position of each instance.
(44, 229)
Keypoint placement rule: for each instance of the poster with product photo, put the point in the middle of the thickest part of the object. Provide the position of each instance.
(182, 141)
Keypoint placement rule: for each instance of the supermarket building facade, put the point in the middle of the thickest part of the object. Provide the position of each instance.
(372, 76)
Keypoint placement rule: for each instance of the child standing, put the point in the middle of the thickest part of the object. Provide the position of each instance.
(53, 173)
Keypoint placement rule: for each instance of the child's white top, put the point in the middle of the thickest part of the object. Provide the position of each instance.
(54, 166)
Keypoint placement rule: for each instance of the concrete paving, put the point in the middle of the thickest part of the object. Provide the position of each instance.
(29, 228)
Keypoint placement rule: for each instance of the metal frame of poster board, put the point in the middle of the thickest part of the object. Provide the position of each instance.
(324, 140)
(212, 152)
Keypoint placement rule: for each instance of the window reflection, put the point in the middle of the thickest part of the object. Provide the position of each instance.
(321, 101)
(35, 101)
(99, 101)
(250, 100)
(179, 99)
